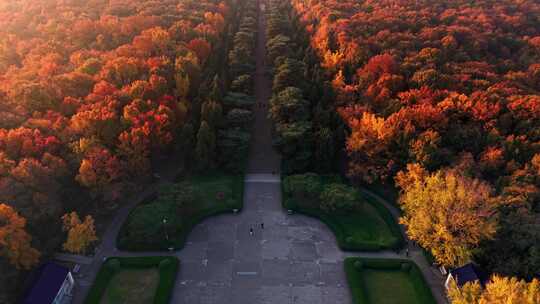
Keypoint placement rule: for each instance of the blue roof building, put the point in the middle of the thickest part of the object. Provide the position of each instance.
(467, 273)
(52, 284)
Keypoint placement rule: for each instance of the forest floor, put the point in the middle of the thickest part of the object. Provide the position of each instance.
(292, 259)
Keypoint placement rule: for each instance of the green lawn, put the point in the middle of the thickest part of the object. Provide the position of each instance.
(365, 225)
(137, 280)
(371, 228)
(137, 286)
(386, 281)
(183, 206)
(389, 287)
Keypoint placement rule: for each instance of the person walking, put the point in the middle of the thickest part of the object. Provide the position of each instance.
(250, 231)
(262, 226)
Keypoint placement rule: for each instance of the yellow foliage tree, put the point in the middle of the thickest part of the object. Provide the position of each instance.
(447, 213)
(469, 293)
(15, 242)
(532, 294)
(333, 60)
(503, 290)
(80, 233)
(182, 85)
(499, 290)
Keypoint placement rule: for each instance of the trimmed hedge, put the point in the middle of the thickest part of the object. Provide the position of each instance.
(167, 276)
(178, 238)
(343, 240)
(356, 281)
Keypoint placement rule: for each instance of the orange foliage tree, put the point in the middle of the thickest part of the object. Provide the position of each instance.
(15, 242)
(101, 172)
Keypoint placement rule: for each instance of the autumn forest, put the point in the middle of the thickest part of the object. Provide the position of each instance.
(432, 105)
(93, 94)
(442, 99)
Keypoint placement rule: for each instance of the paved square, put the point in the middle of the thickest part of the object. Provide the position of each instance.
(292, 260)
(303, 250)
(220, 251)
(275, 272)
(275, 249)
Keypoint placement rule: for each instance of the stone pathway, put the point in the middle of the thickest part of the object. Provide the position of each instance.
(293, 260)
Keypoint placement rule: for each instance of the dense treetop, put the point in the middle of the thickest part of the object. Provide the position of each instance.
(92, 93)
(450, 86)
(98, 86)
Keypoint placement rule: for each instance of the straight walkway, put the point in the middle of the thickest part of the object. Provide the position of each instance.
(263, 178)
(262, 156)
(291, 259)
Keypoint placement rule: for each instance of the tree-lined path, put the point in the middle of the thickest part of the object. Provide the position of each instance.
(294, 259)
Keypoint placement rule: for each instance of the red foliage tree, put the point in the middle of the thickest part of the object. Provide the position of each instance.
(101, 172)
(201, 47)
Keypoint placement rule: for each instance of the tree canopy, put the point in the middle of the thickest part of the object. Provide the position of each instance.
(447, 213)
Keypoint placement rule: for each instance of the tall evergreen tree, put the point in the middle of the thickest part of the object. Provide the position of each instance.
(206, 145)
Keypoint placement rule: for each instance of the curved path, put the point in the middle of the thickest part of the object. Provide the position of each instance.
(293, 260)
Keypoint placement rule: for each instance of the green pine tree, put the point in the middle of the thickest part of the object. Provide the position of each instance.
(206, 145)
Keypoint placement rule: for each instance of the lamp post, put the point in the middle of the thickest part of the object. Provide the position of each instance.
(165, 228)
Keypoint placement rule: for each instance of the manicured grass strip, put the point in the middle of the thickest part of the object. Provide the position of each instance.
(134, 286)
(206, 188)
(387, 281)
(388, 218)
(166, 266)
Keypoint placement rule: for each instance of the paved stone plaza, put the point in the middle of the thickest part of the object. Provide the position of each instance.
(294, 259)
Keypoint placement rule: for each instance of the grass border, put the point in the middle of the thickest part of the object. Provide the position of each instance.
(356, 282)
(387, 217)
(179, 240)
(167, 277)
(341, 237)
